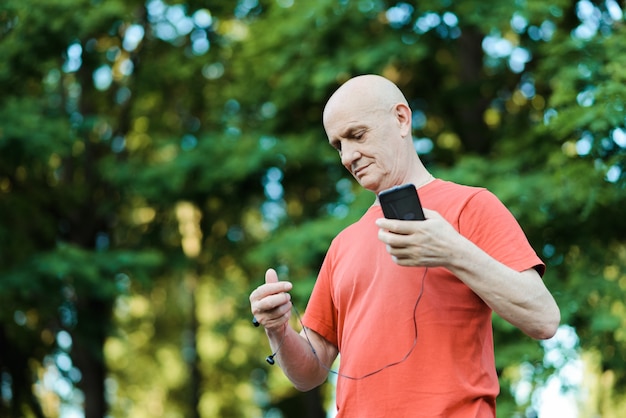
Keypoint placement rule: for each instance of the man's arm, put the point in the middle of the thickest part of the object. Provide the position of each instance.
(271, 306)
(521, 298)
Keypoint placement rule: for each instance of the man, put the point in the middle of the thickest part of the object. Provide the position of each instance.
(407, 303)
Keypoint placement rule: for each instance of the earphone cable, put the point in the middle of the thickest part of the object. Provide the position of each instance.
(395, 363)
(270, 359)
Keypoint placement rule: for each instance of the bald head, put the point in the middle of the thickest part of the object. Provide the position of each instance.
(371, 92)
(368, 120)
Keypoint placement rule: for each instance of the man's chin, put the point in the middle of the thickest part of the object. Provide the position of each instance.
(368, 185)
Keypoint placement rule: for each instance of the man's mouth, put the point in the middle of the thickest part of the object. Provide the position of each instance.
(359, 171)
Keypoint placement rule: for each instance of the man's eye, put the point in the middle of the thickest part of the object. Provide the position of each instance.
(359, 135)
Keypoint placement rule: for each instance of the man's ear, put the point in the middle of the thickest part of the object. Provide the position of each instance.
(403, 116)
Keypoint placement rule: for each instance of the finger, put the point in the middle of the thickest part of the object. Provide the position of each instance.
(271, 299)
(270, 294)
(273, 311)
(271, 308)
(276, 286)
(396, 226)
(271, 286)
(276, 322)
(271, 302)
(271, 276)
(393, 239)
(384, 223)
(399, 252)
(278, 312)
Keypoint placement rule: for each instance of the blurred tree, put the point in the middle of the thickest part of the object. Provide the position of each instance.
(157, 156)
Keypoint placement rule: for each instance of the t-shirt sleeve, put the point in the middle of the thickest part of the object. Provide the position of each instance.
(321, 314)
(490, 225)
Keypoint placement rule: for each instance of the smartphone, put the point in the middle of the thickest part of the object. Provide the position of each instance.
(401, 202)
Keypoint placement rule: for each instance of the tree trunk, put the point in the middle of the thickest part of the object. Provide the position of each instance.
(88, 355)
(18, 377)
(470, 104)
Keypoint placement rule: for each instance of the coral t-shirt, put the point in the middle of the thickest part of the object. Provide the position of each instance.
(364, 303)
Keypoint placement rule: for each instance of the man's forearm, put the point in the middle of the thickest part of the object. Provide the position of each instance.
(521, 298)
(296, 358)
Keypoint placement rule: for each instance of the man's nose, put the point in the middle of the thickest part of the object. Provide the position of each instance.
(349, 154)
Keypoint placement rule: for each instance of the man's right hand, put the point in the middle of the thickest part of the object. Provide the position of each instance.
(270, 303)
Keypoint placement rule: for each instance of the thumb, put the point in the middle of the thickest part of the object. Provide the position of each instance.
(271, 276)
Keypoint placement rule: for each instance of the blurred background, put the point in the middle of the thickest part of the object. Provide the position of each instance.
(157, 156)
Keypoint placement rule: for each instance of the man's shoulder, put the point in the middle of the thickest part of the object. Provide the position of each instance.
(446, 186)
(447, 193)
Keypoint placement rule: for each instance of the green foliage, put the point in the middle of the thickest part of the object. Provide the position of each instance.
(139, 210)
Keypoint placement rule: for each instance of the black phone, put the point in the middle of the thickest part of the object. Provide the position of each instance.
(401, 202)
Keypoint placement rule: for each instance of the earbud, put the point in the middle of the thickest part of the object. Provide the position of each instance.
(270, 359)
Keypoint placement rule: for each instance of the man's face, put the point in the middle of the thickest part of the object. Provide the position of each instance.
(369, 143)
